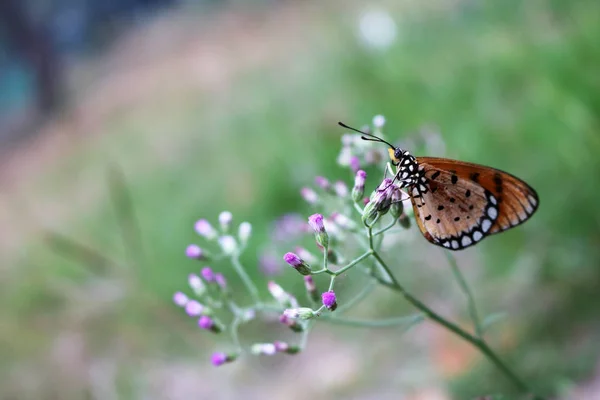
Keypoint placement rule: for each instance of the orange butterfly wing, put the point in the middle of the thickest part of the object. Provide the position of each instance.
(466, 202)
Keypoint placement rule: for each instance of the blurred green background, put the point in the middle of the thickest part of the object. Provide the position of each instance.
(201, 107)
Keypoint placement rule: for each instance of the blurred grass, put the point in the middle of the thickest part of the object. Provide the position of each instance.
(510, 84)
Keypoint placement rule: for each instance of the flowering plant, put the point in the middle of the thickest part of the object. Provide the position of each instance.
(350, 240)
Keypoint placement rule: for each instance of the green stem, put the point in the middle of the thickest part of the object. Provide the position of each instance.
(384, 229)
(465, 288)
(352, 264)
(234, 333)
(477, 342)
(235, 260)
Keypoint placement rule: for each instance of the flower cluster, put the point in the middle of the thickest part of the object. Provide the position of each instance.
(351, 217)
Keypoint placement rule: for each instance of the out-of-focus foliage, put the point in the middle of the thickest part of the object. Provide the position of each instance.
(237, 110)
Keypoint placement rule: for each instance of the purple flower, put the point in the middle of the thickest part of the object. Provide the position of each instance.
(270, 264)
(228, 244)
(267, 349)
(206, 322)
(219, 358)
(205, 229)
(244, 232)
(290, 323)
(329, 300)
(193, 308)
(298, 263)
(282, 297)
(288, 227)
(196, 284)
(283, 347)
(311, 288)
(225, 219)
(316, 223)
(359, 185)
(180, 299)
(397, 207)
(342, 221)
(221, 281)
(309, 195)
(306, 255)
(380, 201)
(354, 163)
(378, 121)
(322, 182)
(340, 189)
(207, 274)
(195, 252)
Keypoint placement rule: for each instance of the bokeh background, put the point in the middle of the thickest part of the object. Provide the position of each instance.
(173, 110)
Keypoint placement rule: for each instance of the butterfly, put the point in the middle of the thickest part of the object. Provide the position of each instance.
(457, 204)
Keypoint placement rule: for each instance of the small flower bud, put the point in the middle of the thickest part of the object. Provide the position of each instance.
(207, 274)
(225, 219)
(397, 207)
(358, 190)
(209, 324)
(282, 297)
(283, 347)
(269, 264)
(194, 252)
(205, 229)
(306, 255)
(267, 349)
(180, 299)
(343, 221)
(221, 281)
(340, 189)
(228, 245)
(345, 155)
(380, 200)
(316, 223)
(354, 164)
(311, 288)
(322, 182)
(244, 232)
(194, 308)
(298, 263)
(276, 291)
(302, 313)
(220, 358)
(309, 195)
(291, 323)
(404, 220)
(329, 300)
(378, 121)
(196, 284)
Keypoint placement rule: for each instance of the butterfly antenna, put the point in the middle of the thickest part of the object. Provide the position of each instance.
(366, 136)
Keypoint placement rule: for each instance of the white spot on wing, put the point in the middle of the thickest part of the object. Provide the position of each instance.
(466, 241)
(492, 212)
(446, 244)
(455, 244)
(493, 200)
(477, 236)
(486, 225)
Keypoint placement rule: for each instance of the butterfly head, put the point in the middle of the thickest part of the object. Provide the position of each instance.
(407, 171)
